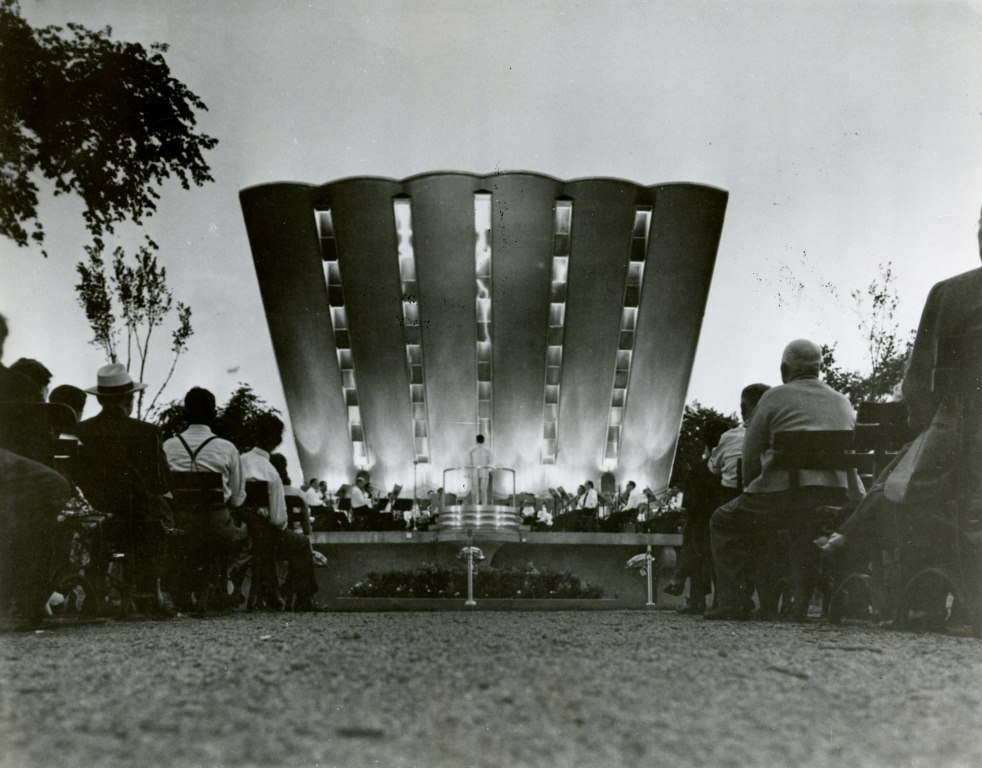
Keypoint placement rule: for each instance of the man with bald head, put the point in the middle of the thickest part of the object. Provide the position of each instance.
(802, 402)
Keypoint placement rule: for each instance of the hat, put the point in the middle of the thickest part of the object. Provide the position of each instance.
(114, 379)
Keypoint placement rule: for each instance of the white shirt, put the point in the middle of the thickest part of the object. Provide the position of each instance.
(256, 466)
(358, 498)
(723, 460)
(481, 456)
(591, 501)
(218, 456)
(635, 499)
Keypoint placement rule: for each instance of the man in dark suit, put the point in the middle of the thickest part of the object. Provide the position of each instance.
(31, 496)
(124, 469)
(953, 308)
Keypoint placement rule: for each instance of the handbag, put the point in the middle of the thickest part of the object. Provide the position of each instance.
(923, 473)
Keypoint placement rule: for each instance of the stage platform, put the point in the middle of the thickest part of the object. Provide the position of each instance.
(596, 558)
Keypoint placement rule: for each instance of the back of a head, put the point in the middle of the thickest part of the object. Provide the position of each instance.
(268, 431)
(480, 438)
(199, 406)
(73, 397)
(278, 460)
(750, 396)
(34, 370)
(801, 358)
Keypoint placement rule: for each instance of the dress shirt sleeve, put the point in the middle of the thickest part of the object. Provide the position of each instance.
(236, 482)
(715, 462)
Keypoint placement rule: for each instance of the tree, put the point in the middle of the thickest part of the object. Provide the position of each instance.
(234, 421)
(886, 347)
(99, 118)
(701, 427)
(126, 306)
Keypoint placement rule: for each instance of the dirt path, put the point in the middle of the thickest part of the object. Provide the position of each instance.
(487, 689)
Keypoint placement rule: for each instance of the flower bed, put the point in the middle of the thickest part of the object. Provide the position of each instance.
(441, 581)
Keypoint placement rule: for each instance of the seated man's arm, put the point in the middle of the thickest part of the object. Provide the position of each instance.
(236, 484)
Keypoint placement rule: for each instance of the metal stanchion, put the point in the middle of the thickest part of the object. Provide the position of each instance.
(651, 587)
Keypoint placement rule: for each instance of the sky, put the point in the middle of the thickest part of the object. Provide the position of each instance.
(848, 135)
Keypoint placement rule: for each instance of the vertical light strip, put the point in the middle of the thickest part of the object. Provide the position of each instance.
(482, 274)
(342, 339)
(556, 332)
(626, 338)
(411, 328)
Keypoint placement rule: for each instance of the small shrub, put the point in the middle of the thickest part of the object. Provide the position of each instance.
(432, 580)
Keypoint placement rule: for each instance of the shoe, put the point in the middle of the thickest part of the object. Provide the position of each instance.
(307, 605)
(674, 588)
(727, 614)
(691, 610)
(832, 543)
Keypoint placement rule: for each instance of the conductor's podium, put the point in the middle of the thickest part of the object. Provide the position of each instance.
(479, 517)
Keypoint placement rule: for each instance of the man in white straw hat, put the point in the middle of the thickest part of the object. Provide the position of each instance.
(124, 466)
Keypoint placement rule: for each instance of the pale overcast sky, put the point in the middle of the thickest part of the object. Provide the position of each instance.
(847, 134)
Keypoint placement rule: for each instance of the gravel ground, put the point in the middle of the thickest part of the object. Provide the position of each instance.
(486, 689)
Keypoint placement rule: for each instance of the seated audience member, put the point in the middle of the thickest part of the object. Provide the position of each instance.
(715, 482)
(198, 449)
(725, 457)
(15, 387)
(35, 371)
(73, 397)
(31, 496)
(702, 497)
(291, 546)
(953, 308)
(278, 460)
(802, 402)
(123, 469)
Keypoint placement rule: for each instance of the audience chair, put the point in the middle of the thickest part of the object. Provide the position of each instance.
(198, 497)
(796, 452)
(265, 585)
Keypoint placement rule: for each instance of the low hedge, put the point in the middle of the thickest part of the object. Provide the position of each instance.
(432, 580)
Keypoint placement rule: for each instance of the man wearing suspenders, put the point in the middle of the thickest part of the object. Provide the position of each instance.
(198, 449)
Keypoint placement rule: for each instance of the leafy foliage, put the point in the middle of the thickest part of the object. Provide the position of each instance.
(235, 420)
(887, 348)
(701, 428)
(100, 118)
(125, 306)
(433, 580)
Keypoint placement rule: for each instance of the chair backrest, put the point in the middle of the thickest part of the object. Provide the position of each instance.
(197, 489)
(881, 428)
(257, 493)
(817, 450)
(294, 510)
